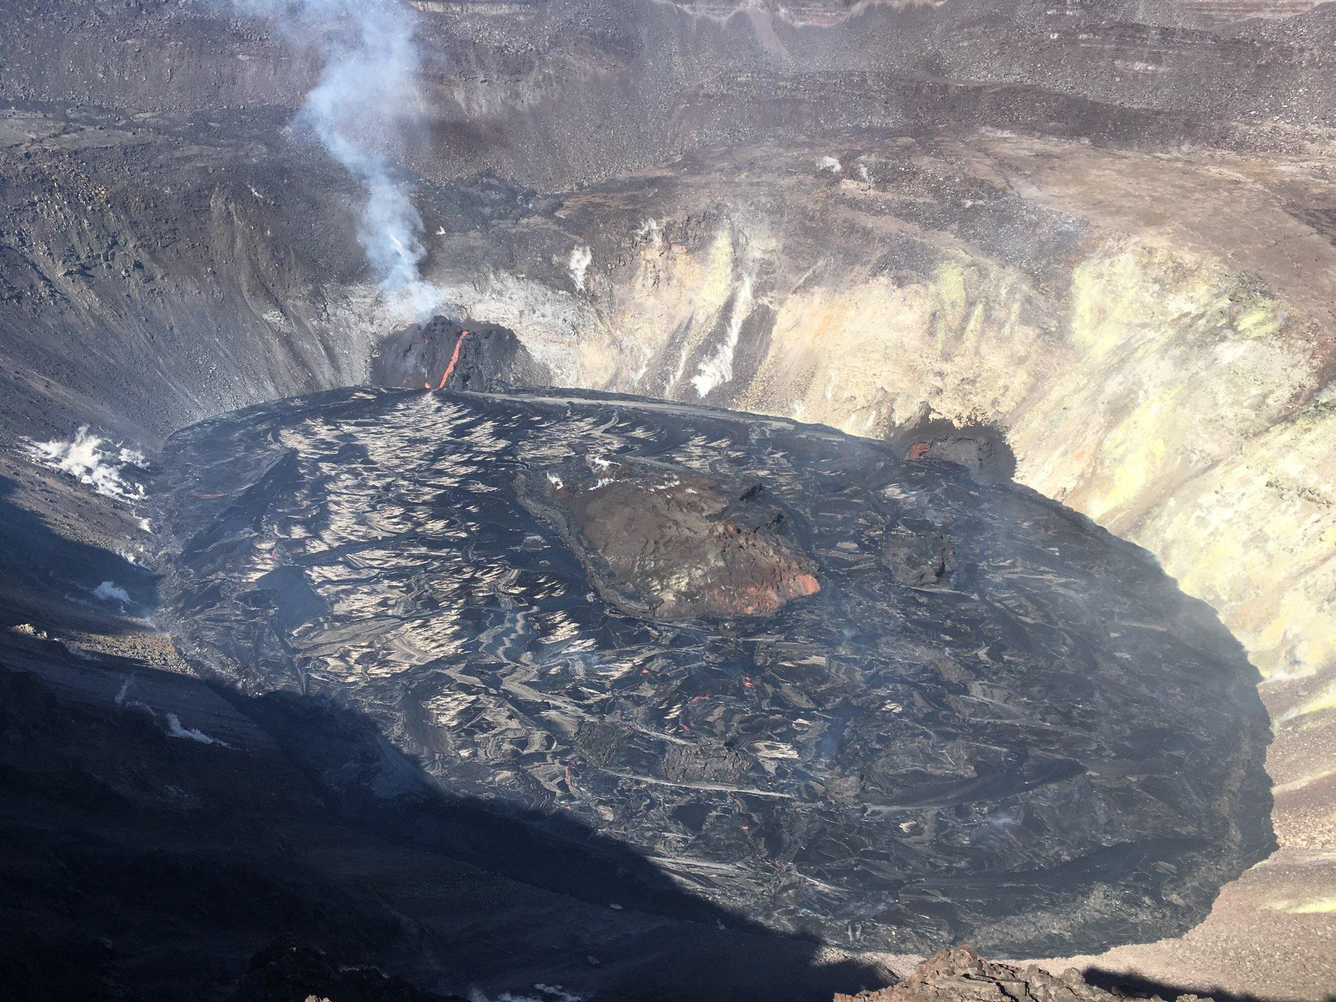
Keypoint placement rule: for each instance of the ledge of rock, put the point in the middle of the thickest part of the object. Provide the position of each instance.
(961, 975)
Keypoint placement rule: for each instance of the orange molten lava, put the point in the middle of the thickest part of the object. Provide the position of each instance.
(453, 359)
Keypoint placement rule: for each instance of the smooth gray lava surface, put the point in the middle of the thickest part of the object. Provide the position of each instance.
(991, 721)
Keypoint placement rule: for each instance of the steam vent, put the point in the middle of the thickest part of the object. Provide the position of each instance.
(667, 501)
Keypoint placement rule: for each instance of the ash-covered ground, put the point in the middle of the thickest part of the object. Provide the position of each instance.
(834, 692)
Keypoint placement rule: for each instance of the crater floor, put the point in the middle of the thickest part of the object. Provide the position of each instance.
(957, 710)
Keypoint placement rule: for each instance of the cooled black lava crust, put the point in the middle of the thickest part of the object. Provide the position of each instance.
(993, 721)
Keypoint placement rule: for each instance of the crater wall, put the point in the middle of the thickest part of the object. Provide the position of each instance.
(1105, 233)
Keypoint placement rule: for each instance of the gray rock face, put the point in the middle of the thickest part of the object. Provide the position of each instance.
(1021, 735)
(557, 93)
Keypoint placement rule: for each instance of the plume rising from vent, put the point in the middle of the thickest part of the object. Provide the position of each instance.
(365, 102)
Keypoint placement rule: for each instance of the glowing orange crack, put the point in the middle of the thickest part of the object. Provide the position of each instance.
(453, 359)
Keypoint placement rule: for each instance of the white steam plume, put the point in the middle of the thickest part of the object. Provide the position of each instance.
(175, 729)
(366, 99)
(94, 461)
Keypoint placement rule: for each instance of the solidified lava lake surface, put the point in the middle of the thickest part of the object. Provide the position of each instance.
(833, 691)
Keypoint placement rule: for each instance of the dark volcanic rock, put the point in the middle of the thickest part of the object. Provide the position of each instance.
(981, 456)
(705, 760)
(980, 449)
(297, 973)
(1045, 748)
(444, 354)
(917, 559)
(663, 543)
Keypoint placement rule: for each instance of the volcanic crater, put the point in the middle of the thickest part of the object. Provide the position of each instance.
(649, 499)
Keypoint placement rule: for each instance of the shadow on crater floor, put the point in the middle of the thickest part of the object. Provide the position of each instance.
(51, 578)
(1133, 985)
(139, 864)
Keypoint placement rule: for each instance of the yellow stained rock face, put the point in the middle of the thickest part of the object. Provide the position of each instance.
(865, 357)
(1313, 906)
(1324, 700)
